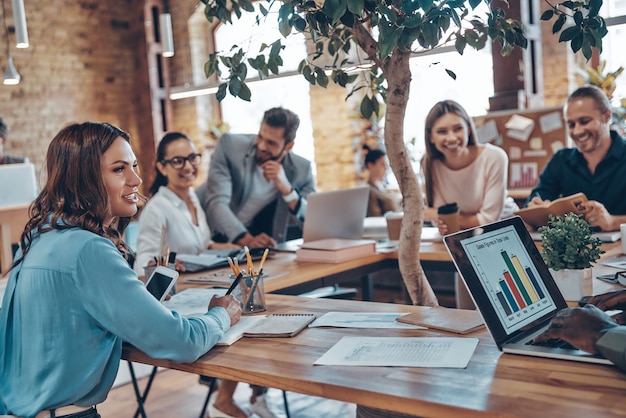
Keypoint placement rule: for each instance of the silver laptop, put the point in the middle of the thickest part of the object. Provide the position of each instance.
(511, 287)
(335, 214)
(18, 184)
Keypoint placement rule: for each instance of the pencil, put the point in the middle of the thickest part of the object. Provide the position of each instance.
(249, 258)
(236, 262)
(232, 266)
(265, 253)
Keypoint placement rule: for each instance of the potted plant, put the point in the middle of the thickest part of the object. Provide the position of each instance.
(568, 248)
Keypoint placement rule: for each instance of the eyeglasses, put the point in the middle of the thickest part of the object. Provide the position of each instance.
(619, 277)
(179, 162)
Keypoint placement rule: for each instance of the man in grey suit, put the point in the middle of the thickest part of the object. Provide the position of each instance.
(256, 185)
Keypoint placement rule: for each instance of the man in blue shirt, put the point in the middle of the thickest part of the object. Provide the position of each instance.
(596, 167)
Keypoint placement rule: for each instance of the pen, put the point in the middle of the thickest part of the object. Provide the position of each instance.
(252, 289)
(234, 284)
(236, 262)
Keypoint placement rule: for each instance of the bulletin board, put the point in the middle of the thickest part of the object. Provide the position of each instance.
(529, 137)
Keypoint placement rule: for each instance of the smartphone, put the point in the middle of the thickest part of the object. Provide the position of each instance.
(161, 282)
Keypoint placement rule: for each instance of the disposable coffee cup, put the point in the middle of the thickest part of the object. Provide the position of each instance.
(449, 214)
(394, 224)
(622, 229)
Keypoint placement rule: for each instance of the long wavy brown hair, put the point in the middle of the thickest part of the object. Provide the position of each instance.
(432, 153)
(74, 194)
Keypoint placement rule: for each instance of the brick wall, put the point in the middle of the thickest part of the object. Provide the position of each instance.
(81, 65)
(87, 62)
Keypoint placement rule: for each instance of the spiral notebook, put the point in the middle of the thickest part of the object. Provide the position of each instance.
(280, 325)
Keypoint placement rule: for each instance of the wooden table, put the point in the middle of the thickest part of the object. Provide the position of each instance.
(493, 384)
(433, 256)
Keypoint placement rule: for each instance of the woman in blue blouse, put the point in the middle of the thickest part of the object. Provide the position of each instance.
(72, 298)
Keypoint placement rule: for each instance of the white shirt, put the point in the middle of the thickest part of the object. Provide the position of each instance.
(165, 208)
(262, 194)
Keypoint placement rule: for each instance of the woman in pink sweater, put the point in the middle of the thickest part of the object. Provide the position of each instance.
(459, 170)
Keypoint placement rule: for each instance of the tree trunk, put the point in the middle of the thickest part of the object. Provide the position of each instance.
(398, 74)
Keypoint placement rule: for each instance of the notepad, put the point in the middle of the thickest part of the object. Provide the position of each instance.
(280, 325)
(459, 321)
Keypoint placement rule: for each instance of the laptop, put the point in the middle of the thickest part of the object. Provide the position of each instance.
(335, 214)
(18, 184)
(511, 287)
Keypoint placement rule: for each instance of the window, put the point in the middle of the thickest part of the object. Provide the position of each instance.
(291, 92)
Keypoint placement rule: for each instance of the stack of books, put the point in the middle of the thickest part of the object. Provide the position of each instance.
(335, 250)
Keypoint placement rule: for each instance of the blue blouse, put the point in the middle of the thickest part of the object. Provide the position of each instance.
(67, 308)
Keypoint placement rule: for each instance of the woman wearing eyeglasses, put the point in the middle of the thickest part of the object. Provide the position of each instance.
(174, 205)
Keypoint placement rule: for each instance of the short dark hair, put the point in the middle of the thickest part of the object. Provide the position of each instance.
(373, 154)
(278, 117)
(592, 92)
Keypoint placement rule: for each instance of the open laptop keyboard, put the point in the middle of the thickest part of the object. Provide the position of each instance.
(554, 343)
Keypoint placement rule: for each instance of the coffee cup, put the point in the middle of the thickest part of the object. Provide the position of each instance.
(449, 214)
(394, 224)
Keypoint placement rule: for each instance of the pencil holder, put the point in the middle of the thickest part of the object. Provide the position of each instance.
(252, 294)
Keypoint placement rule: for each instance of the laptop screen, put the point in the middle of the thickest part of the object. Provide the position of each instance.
(336, 214)
(506, 276)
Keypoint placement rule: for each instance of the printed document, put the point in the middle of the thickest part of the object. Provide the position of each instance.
(401, 351)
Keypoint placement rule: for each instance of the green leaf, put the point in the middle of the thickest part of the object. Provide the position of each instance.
(425, 4)
(299, 23)
(321, 77)
(244, 92)
(335, 9)
(234, 86)
(594, 7)
(460, 44)
(366, 108)
(356, 6)
(569, 34)
(474, 3)
(547, 15)
(221, 92)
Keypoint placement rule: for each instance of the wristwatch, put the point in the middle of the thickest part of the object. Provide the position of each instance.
(292, 196)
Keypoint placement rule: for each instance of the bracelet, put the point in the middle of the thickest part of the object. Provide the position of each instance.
(293, 195)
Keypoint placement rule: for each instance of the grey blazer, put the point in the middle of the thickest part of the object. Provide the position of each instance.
(229, 184)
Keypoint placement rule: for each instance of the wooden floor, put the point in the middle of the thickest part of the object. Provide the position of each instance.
(178, 394)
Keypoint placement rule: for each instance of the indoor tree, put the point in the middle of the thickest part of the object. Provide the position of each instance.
(389, 32)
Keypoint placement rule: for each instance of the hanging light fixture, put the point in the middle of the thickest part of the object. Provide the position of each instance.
(19, 19)
(165, 32)
(11, 76)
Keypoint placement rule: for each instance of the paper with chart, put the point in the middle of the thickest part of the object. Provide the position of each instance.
(362, 320)
(193, 301)
(401, 352)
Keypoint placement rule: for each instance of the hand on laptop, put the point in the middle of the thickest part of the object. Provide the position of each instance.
(612, 301)
(581, 327)
(257, 241)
